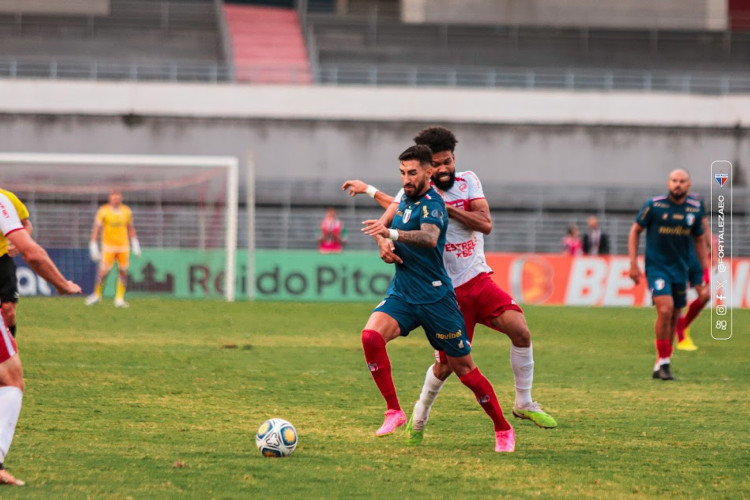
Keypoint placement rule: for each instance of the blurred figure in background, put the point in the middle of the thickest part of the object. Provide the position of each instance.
(115, 221)
(595, 242)
(8, 279)
(332, 236)
(571, 242)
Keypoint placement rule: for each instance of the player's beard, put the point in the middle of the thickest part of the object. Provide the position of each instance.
(678, 197)
(444, 185)
(413, 190)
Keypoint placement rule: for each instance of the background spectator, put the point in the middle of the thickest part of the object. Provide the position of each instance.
(595, 242)
(572, 244)
(332, 233)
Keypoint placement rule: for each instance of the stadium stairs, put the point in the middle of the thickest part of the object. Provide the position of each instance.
(268, 45)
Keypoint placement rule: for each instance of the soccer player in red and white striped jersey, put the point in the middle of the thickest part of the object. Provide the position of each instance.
(480, 299)
(11, 371)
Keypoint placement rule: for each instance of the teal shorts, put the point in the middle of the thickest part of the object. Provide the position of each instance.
(661, 284)
(442, 322)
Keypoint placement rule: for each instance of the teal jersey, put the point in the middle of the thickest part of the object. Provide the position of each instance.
(422, 278)
(670, 229)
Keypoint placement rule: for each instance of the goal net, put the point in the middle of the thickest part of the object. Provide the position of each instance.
(184, 212)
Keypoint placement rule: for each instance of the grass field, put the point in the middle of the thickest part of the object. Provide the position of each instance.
(162, 400)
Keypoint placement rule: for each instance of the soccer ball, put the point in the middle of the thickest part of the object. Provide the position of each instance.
(276, 438)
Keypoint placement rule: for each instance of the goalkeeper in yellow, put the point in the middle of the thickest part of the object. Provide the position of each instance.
(115, 222)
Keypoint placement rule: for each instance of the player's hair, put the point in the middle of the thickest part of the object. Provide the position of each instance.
(417, 152)
(437, 138)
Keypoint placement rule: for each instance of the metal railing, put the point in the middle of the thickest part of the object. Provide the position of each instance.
(381, 75)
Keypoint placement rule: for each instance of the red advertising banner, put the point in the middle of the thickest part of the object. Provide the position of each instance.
(594, 281)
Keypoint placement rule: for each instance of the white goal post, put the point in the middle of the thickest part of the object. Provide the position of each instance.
(180, 203)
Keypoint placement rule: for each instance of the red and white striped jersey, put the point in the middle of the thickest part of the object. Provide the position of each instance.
(9, 220)
(464, 248)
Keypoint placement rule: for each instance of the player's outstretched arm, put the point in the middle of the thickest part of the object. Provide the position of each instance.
(357, 186)
(38, 259)
(635, 234)
(426, 236)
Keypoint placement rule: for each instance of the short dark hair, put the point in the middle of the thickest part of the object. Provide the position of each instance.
(437, 138)
(417, 152)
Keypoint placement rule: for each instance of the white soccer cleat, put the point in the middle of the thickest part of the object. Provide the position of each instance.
(121, 303)
(92, 299)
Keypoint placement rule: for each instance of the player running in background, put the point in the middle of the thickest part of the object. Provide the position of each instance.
(480, 299)
(115, 221)
(421, 294)
(11, 371)
(700, 279)
(8, 279)
(670, 222)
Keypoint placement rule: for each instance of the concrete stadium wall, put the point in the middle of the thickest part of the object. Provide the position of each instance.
(334, 133)
(676, 14)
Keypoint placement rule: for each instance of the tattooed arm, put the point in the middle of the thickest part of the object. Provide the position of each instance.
(427, 235)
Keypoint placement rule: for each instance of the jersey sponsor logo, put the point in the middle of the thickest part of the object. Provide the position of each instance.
(437, 283)
(426, 212)
(407, 215)
(664, 216)
(674, 231)
(462, 249)
(449, 335)
(373, 367)
(484, 399)
(659, 284)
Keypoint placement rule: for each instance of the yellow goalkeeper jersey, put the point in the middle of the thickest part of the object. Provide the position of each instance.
(114, 224)
(23, 213)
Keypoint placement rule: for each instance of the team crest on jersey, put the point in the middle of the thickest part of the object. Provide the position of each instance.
(690, 218)
(407, 215)
(659, 284)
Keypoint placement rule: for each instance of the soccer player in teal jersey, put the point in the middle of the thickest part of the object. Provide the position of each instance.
(421, 294)
(670, 222)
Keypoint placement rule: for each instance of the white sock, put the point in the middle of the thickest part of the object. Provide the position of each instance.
(10, 408)
(522, 363)
(661, 361)
(430, 390)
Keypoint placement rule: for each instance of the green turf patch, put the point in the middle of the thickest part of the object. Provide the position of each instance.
(162, 400)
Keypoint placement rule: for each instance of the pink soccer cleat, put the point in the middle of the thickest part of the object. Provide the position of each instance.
(393, 420)
(505, 440)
